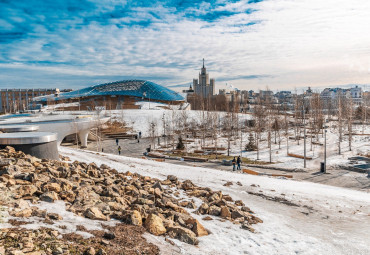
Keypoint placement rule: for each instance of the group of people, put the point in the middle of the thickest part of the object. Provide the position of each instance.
(119, 149)
(236, 162)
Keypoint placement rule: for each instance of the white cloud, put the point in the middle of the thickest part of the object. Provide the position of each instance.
(293, 43)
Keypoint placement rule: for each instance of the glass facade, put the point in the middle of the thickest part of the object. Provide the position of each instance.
(136, 88)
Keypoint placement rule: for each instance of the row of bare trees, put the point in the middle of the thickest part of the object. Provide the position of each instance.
(269, 124)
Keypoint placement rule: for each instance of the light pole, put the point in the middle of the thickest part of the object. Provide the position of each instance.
(325, 127)
(164, 128)
(304, 134)
(241, 143)
(153, 138)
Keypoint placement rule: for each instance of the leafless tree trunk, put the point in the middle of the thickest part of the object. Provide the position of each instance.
(349, 119)
(340, 123)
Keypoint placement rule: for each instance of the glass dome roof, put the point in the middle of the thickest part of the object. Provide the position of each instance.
(136, 88)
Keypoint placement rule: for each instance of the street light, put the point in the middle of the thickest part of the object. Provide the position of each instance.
(164, 129)
(325, 127)
(304, 133)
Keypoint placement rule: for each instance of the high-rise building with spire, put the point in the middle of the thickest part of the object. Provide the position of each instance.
(204, 86)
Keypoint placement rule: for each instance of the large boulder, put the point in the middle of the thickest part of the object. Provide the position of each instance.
(187, 185)
(198, 193)
(214, 197)
(94, 214)
(49, 196)
(10, 170)
(183, 234)
(27, 212)
(172, 178)
(204, 208)
(225, 212)
(214, 210)
(52, 187)
(69, 196)
(197, 228)
(154, 225)
(136, 218)
(26, 190)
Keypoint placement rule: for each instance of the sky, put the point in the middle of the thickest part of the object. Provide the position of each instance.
(248, 44)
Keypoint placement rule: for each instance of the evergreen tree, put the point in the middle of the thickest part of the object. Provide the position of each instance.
(251, 146)
(180, 144)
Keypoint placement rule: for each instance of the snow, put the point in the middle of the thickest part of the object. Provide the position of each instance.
(70, 221)
(61, 105)
(326, 220)
(151, 105)
(140, 120)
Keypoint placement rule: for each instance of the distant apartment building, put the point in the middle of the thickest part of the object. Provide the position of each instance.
(332, 94)
(284, 97)
(204, 86)
(356, 94)
(13, 100)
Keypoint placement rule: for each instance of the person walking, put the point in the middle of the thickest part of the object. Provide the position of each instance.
(238, 161)
(139, 134)
(234, 163)
(119, 150)
(117, 141)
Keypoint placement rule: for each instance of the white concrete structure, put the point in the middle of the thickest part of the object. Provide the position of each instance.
(63, 125)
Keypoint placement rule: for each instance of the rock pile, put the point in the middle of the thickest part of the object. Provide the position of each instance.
(44, 241)
(102, 193)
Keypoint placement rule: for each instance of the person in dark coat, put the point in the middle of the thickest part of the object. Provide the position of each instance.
(239, 161)
(234, 163)
(117, 141)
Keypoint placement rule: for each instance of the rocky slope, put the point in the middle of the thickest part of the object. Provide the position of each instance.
(133, 202)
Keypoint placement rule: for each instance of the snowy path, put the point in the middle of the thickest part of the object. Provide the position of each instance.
(323, 220)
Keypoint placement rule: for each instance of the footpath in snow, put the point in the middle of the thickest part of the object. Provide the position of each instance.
(299, 217)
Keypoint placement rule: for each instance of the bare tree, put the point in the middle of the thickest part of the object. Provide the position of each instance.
(259, 116)
(349, 122)
(286, 126)
(227, 124)
(340, 121)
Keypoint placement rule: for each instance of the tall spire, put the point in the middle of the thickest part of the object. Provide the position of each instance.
(203, 62)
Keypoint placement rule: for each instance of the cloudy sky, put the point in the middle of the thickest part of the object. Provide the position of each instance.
(248, 44)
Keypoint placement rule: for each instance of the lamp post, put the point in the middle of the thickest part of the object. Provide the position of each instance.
(241, 143)
(164, 128)
(304, 134)
(325, 127)
(153, 141)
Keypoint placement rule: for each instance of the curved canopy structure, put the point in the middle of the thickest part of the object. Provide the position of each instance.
(137, 88)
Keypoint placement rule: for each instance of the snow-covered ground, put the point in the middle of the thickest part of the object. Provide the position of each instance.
(324, 220)
(66, 225)
(140, 120)
(61, 105)
(146, 105)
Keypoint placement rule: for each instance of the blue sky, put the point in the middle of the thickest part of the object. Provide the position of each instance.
(248, 44)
